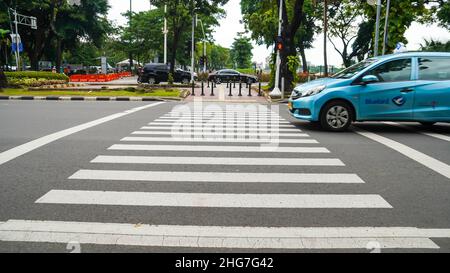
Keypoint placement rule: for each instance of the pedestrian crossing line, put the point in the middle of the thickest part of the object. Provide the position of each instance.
(243, 149)
(225, 129)
(228, 125)
(221, 116)
(268, 120)
(217, 177)
(218, 134)
(227, 121)
(121, 234)
(218, 161)
(430, 134)
(213, 200)
(224, 140)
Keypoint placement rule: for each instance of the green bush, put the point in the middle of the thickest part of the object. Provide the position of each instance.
(36, 75)
(32, 82)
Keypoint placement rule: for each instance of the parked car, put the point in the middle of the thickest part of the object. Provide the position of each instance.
(412, 86)
(156, 72)
(227, 75)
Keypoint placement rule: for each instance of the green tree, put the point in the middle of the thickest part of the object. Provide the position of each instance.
(261, 19)
(60, 26)
(179, 16)
(241, 52)
(435, 46)
(343, 26)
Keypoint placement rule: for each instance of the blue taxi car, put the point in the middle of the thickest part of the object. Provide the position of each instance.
(413, 86)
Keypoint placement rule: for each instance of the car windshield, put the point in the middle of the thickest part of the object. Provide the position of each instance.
(354, 69)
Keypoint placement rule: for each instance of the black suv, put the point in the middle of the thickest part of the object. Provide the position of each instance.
(155, 73)
(227, 75)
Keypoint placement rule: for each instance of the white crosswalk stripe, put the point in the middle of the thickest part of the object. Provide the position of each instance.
(217, 177)
(216, 200)
(199, 148)
(220, 236)
(218, 139)
(226, 129)
(206, 134)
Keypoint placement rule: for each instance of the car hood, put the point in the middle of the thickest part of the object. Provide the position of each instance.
(316, 83)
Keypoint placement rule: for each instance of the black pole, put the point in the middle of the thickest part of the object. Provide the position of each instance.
(240, 88)
(227, 84)
(193, 89)
(203, 89)
(234, 83)
(208, 84)
(249, 89)
(212, 89)
(230, 94)
(259, 89)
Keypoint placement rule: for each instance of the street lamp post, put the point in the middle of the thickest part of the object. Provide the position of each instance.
(204, 46)
(165, 31)
(377, 30)
(276, 90)
(386, 22)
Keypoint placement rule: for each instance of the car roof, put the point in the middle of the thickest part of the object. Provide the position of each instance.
(413, 54)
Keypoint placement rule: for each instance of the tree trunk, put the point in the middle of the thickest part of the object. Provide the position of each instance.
(325, 30)
(173, 56)
(289, 50)
(3, 80)
(58, 54)
(303, 55)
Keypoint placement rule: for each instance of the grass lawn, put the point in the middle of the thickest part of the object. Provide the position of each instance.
(100, 93)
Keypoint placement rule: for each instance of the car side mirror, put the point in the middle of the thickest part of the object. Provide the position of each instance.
(369, 79)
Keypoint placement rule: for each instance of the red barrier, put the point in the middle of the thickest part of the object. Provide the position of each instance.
(99, 77)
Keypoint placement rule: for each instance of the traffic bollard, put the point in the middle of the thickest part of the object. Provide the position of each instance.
(203, 89)
(230, 94)
(193, 88)
(240, 89)
(249, 89)
(212, 89)
(259, 89)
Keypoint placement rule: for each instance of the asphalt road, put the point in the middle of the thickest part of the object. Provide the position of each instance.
(396, 199)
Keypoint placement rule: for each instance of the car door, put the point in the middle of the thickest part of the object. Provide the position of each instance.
(392, 97)
(162, 72)
(432, 98)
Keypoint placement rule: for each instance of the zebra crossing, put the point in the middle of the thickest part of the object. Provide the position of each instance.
(274, 142)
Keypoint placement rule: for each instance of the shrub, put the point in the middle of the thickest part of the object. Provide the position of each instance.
(36, 75)
(32, 82)
(170, 79)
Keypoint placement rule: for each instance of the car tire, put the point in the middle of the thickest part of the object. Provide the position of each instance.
(185, 81)
(336, 116)
(152, 80)
(427, 123)
(218, 81)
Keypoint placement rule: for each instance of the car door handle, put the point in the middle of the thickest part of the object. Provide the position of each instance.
(407, 90)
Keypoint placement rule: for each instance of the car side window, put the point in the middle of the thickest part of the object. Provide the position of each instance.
(434, 69)
(393, 71)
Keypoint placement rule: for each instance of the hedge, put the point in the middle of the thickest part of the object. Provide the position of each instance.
(36, 75)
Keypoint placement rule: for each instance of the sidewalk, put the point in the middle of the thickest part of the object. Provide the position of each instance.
(222, 94)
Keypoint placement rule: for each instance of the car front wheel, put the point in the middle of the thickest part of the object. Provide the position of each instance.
(185, 81)
(427, 123)
(336, 116)
(151, 80)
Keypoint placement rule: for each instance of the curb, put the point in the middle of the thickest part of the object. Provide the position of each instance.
(63, 98)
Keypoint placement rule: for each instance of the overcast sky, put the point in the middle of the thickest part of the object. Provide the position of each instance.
(230, 26)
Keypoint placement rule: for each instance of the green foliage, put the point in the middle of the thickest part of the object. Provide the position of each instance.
(435, 46)
(293, 64)
(170, 79)
(36, 75)
(33, 82)
(3, 79)
(241, 52)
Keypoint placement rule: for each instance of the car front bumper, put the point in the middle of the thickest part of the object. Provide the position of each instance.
(303, 108)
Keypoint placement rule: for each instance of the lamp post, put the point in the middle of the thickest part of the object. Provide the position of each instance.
(276, 90)
(204, 46)
(386, 22)
(377, 30)
(165, 31)
(192, 42)
(20, 19)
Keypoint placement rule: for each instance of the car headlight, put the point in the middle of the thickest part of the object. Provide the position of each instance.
(312, 91)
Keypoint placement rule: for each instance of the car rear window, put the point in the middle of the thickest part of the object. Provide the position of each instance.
(434, 69)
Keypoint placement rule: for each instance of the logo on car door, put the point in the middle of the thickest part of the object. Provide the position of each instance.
(399, 101)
